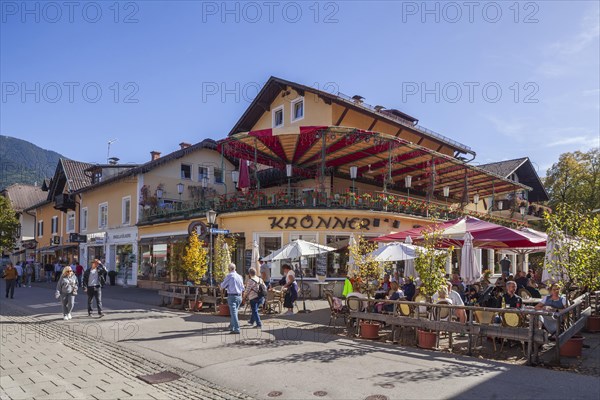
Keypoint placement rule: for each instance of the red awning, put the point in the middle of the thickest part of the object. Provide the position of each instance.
(485, 234)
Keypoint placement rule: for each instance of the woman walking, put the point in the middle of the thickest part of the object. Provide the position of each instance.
(66, 289)
(256, 296)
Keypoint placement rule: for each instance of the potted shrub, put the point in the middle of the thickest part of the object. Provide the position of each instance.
(430, 264)
(222, 258)
(112, 277)
(574, 260)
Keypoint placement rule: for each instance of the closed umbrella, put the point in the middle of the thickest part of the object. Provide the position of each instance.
(255, 257)
(409, 265)
(244, 178)
(351, 264)
(549, 274)
(469, 267)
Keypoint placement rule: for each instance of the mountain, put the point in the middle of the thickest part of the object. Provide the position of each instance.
(24, 162)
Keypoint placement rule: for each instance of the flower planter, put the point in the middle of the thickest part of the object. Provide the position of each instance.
(572, 348)
(369, 330)
(593, 323)
(426, 339)
(224, 310)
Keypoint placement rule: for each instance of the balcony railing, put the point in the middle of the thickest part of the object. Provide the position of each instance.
(258, 200)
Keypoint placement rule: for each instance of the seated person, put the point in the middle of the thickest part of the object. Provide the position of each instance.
(552, 302)
(501, 281)
(455, 299)
(409, 289)
(456, 281)
(441, 296)
(511, 299)
(396, 294)
(521, 280)
(532, 289)
(384, 288)
(472, 297)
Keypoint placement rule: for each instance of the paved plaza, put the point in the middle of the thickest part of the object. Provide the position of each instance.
(295, 357)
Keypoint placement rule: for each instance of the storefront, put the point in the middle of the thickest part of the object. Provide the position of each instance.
(93, 249)
(122, 254)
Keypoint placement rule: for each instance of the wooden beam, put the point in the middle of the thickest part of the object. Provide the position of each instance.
(339, 121)
(372, 124)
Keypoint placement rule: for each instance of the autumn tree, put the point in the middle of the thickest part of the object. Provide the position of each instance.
(369, 270)
(430, 263)
(194, 261)
(223, 254)
(9, 225)
(575, 180)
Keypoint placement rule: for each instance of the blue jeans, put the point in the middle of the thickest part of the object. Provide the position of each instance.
(254, 305)
(234, 305)
(48, 276)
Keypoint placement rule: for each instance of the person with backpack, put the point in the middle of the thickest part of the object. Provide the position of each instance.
(256, 291)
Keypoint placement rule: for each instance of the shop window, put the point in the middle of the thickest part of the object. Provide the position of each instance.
(278, 117)
(337, 261)
(297, 109)
(103, 215)
(153, 261)
(126, 210)
(54, 225)
(70, 221)
(186, 171)
(83, 219)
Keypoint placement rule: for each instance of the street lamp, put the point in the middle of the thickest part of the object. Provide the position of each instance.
(235, 177)
(407, 183)
(211, 217)
(476, 198)
(500, 205)
(522, 210)
(288, 172)
(180, 187)
(353, 172)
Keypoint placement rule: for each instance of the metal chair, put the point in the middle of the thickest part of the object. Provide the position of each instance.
(484, 318)
(274, 300)
(524, 293)
(304, 290)
(334, 313)
(512, 320)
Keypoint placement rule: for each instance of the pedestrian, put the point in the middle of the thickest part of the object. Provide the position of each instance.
(57, 270)
(48, 268)
(288, 281)
(19, 268)
(234, 284)
(79, 274)
(28, 274)
(256, 291)
(93, 279)
(66, 290)
(505, 265)
(265, 272)
(10, 278)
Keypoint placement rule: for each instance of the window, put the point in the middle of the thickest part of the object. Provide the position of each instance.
(40, 228)
(218, 175)
(54, 226)
(126, 210)
(202, 173)
(297, 109)
(278, 117)
(186, 171)
(103, 215)
(71, 221)
(83, 219)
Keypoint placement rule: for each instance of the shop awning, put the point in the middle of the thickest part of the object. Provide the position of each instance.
(315, 151)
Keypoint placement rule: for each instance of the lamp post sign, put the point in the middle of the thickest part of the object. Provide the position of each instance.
(216, 231)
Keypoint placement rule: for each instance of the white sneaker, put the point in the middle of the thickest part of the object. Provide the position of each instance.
(69, 316)
(289, 313)
(66, 318)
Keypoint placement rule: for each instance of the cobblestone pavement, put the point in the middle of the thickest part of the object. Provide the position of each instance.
(52, 360)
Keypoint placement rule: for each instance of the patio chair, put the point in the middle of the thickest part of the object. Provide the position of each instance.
(512, 320)
(524, 293)
(335, 313)
(421, 311)
(274, 300)
(442, 314)
(484, 318)
(304, 291)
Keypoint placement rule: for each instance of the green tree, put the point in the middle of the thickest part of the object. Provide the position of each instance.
(9, 225)
(430, 263)
(576, 254)
(575, 180)
(194, 261)
(369, 270)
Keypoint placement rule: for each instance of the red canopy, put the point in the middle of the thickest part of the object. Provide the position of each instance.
(485, 234)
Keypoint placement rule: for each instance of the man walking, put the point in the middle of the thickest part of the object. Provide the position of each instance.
(19, 268)
(93, 280)
(234, 284)
(10, 278)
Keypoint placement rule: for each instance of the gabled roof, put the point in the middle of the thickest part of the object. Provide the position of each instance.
(23, 196)
(150, 165)
(275, 85)
(69, 174)
(525, 172)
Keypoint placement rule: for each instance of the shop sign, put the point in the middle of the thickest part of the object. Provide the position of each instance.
(119, 236)
(319, 222)
(198, 226)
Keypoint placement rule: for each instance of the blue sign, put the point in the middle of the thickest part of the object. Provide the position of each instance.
(219, 231)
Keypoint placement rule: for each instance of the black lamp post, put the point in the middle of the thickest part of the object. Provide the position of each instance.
(288, 172)
(407, 184)
(211, 218)
(353, 173)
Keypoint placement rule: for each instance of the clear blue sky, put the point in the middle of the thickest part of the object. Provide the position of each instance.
(164, 56)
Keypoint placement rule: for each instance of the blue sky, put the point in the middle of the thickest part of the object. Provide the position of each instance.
(509, 79)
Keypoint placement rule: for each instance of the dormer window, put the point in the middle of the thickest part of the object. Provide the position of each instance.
(297, 109)
(278, 117)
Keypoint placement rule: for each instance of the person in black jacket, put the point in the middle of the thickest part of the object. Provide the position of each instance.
(93, 279)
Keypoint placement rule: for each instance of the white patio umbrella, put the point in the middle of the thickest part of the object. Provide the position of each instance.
(409, 265)
(469, 267)
(255, 256)
(395, 251)
(351, 263)
(296, 249)
(549, 260)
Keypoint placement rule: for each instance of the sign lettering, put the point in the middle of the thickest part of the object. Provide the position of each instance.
(308, 222)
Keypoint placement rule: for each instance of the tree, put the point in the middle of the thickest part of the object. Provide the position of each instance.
(223, 255)
(9, 225)
(194, 261)
(575, 180)
(369, 270)
(576, 253)
(430, 263)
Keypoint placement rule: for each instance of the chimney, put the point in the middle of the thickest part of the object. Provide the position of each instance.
(184, 145)
(379, 108)
(155, 155)
(357, 99)
(113, 160)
